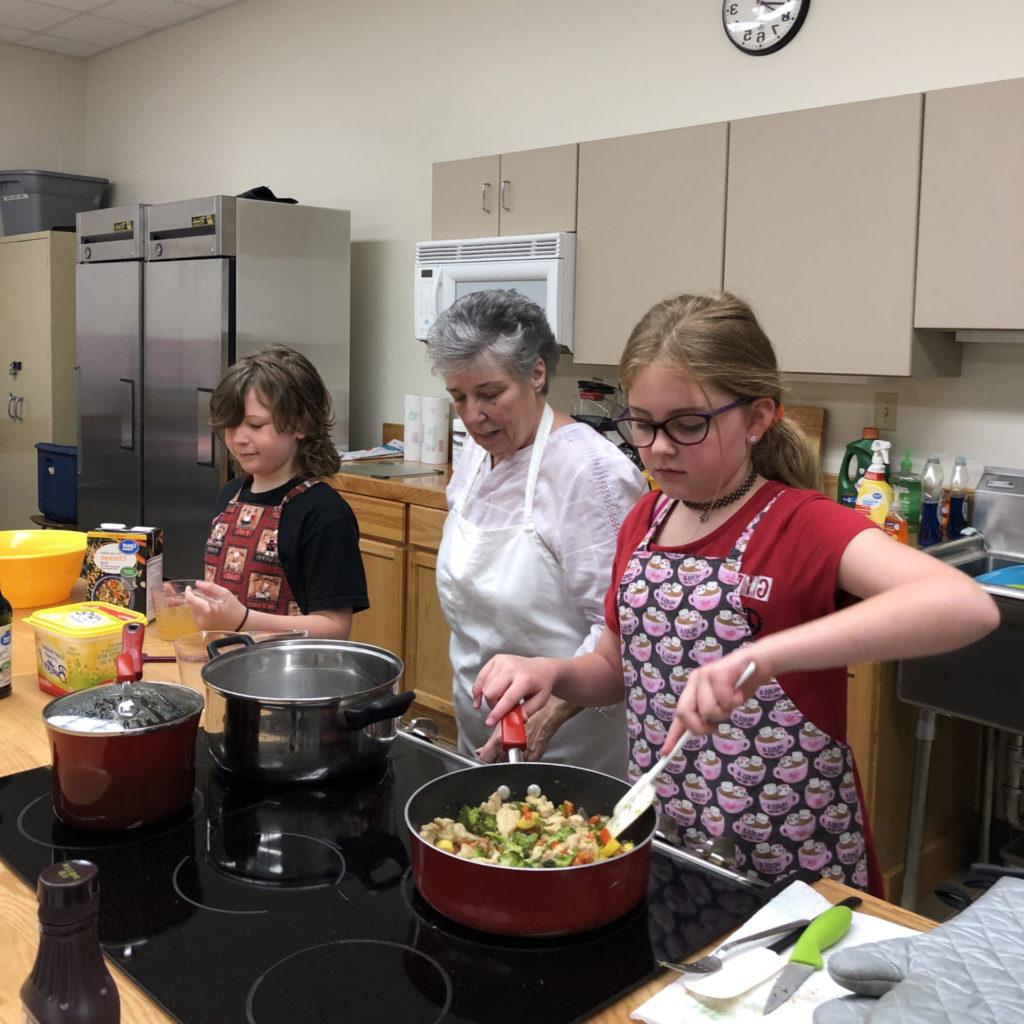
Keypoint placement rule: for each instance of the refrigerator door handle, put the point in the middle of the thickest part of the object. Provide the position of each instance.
(78, 420)
(10, 406)
(206, 442)
(128, 415)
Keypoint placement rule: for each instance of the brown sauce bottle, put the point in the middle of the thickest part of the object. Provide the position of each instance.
(69, 983)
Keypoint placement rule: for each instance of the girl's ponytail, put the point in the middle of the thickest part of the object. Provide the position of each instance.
(785, 454)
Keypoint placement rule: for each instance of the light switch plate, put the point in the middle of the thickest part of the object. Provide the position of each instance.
(885, 409)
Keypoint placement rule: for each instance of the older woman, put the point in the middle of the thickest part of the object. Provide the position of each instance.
(535, 505)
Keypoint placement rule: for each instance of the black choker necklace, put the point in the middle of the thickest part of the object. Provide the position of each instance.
(705, 508)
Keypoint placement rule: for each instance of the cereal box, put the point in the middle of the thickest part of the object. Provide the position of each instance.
(123, 566)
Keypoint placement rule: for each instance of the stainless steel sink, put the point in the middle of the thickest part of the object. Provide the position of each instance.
(984, 682)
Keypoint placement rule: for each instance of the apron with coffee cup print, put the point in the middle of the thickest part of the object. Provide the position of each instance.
(242, 555)
(768, 779)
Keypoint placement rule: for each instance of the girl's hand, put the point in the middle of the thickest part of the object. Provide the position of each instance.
(710, 695)
(508, 680)
(214, 606)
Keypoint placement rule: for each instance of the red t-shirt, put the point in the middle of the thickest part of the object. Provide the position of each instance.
(791, 565)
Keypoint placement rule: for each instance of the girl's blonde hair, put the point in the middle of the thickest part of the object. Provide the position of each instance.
(294, 391)
(717, 342)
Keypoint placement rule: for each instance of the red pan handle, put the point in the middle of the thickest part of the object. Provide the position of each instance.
(513, 731)
(132, 635)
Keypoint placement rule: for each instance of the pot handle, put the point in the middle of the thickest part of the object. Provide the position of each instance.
(213, 648)
(394, 705)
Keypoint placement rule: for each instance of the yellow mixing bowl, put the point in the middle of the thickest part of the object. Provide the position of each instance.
(39, 567)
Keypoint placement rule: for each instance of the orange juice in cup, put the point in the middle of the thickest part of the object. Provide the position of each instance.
(173, 614)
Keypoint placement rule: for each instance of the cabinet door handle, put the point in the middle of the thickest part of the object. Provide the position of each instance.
(505, 188)
(483, 196)
(10, 406)
(19, 407)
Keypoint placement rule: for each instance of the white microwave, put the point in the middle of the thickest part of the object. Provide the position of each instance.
(541, 267)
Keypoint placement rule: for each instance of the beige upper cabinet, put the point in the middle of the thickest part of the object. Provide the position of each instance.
(821, 234)
(464, 202)
(651, 224)
(529, 192)
(970, 260)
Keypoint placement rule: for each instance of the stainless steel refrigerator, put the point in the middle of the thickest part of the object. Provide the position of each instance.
(219, 277)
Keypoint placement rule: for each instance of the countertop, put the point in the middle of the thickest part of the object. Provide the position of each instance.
(415, 490)
(23, 745)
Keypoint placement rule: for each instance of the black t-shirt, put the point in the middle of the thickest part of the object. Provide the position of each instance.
(317, 542)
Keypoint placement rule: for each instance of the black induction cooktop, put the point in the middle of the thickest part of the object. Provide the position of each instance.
(261, 905)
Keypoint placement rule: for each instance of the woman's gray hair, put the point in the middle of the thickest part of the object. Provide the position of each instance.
(501, 325)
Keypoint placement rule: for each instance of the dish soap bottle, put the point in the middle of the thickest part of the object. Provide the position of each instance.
(858, 455)
(69, 983)
(957, 520)
(930, 531)
(874, 495)
(906, 491)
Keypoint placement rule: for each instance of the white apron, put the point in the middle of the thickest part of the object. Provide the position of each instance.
(502, 592)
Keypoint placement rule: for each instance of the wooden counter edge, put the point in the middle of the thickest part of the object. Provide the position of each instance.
(417, 490)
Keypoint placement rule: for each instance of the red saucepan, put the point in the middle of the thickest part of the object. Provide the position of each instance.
(528, 901)
(123, 754)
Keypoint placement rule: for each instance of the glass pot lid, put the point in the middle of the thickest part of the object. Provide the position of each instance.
(117, 708)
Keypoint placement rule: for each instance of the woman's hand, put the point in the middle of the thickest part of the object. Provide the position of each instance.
(214, 606)
(711, 696)
(540, 730)
(508, 680)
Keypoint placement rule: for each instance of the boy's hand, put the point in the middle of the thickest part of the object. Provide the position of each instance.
(214, 606)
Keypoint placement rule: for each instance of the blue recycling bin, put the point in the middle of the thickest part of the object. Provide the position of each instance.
(58, 481)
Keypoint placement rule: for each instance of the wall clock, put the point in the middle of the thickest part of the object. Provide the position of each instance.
(759, 27)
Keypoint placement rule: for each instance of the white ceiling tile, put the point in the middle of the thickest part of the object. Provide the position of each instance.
(13, 35)
(105, 32)
(31, 16)
(152, 13)
(72, 47)
(76, 5)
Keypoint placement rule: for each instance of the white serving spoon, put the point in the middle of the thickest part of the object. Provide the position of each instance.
(641, 794)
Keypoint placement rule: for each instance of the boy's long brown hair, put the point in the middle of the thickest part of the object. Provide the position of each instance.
(295, 392)
(717, 342)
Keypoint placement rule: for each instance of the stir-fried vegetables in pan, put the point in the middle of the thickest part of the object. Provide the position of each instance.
(530, 833)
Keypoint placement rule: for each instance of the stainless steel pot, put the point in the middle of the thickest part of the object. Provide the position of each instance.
(290, 711)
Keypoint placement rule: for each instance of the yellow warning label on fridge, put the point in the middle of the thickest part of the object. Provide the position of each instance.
(203, 220)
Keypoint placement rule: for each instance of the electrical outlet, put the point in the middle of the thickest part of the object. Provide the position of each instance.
(885, 410)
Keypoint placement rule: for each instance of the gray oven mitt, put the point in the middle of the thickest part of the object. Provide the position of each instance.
(970, 969)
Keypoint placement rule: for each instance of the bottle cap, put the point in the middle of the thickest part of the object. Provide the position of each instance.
(871, 433)
(68, 892)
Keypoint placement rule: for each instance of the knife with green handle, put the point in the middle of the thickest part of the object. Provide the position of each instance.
(824, 931)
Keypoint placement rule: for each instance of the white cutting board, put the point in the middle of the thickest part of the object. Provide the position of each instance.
(676, 1005)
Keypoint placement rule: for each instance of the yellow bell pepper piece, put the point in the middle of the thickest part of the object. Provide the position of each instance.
(609, 849)
(446, 844)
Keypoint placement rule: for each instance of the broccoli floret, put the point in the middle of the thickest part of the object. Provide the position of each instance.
(469, 818)
(488, 822)
(511, 859)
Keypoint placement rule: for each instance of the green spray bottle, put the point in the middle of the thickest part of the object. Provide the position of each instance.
(854, 465)
(906, 487)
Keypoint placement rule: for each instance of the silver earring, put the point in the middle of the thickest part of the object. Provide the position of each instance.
(753, 439)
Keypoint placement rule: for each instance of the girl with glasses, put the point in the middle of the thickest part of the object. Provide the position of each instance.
(737, 559)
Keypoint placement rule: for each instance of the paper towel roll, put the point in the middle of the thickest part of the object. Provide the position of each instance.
(435, 431)
(413, 428)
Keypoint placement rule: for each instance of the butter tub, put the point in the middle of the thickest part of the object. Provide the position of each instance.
(77, 644)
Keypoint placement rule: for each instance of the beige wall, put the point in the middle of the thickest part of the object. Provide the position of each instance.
(42, 110)
(347, 103)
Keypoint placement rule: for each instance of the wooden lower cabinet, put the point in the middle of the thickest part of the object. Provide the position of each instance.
(382, 623)
(881, 730)
(399, 542)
